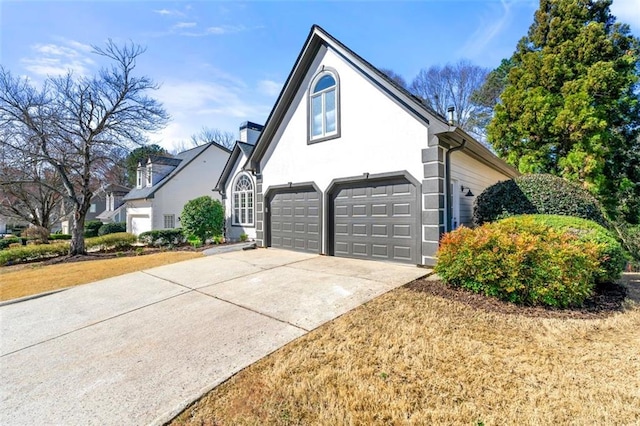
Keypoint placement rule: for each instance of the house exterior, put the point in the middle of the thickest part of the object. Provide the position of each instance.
(165, 184)
(115, 210)
(237, 187)
(350, 164)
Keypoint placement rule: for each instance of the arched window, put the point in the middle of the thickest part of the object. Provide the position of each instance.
(243, 201)
(323, 106)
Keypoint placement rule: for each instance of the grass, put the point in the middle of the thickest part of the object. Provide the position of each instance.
(409, 357)
(25, 280)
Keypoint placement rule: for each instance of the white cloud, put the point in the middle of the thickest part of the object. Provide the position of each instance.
(489, 28)
(167, 12)
(218, 103)
(269, 87)
(628, 12)
(185, 25)
(58, 59)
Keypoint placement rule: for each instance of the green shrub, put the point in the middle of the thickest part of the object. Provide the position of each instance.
(203, 217)
(630, 237)
(522, 261)
(112, 228)
(60, 237)
(91, 228)
(32, 252)
(244, 237)
(536, 194)
(162, 237)
(119, 241)
(6, 242)
(611, 254)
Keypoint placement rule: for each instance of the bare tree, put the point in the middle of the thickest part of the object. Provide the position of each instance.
(454, 85)
(206, 135)
(78, 125)
(395, 77)
(30, 191)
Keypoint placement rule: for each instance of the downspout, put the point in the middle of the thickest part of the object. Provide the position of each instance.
(447, 182)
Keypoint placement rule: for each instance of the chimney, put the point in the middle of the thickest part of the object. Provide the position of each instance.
(249, 132)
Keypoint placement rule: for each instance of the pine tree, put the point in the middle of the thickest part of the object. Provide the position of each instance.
(571, 106)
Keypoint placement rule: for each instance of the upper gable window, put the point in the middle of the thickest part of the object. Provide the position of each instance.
(323, 106)
(149, 175)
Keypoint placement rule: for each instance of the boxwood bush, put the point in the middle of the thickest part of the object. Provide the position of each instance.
(536, 194)
(32, 252)
(6, 242)
(162, 237)
(118, 241)
(60, 237)
(112, 228)
(521, 260)
(91, 228)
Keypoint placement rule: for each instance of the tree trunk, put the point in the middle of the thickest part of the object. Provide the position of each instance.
(77, 246)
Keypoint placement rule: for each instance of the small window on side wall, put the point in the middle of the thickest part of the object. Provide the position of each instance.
(169, 221)
(324, 108)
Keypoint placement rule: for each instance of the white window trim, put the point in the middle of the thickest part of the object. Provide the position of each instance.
(311, 95)
(249, 197)
(149, 175)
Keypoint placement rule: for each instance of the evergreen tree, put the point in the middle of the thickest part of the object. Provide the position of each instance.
(571, 105)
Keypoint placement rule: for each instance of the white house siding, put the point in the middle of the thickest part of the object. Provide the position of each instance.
(473, 174)
(195, 180)
(377, 135)
(234, 231)
(139, 216)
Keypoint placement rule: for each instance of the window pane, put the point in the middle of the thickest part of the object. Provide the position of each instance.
(316, 116)
(249, 199)
(250, 216)
(324, 83)
(330, 106)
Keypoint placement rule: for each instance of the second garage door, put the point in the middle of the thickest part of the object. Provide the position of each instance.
(376, 220)
(295, 220)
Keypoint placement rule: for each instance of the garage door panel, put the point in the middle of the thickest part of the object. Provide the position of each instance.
(295, 220)
(376, 220)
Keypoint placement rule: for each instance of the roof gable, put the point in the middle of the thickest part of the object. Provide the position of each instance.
(241, 151)
(185, 158)
(317, 39)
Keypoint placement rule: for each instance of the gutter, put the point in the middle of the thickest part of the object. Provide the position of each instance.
(447, 182)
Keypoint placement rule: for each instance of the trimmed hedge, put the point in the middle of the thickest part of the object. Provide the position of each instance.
(118, 241)
(6, 242)
(60, 236)
(536, 194)
(611, 254)
(32, 252)
(112, 228)
(91, 228)
(162, 237)
(521, 260)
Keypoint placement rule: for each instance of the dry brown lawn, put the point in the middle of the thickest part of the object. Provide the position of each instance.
(410, 357)
(26, 280)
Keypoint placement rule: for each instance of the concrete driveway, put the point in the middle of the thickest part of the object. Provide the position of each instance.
(138, 348)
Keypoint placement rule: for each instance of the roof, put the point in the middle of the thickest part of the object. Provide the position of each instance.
(238, 149)
(114, 187)
(164, 160)
(414, 105)
(183, 160)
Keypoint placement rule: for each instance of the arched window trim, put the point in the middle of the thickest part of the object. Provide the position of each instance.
(243, 204)
(310, 97)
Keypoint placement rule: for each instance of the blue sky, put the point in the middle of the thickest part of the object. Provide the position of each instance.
(222, 63)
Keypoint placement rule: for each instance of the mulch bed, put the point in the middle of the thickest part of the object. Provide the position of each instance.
(607, 300)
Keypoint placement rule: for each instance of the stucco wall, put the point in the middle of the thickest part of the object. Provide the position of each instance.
(195, 180)
(472, 174)
(377, 135)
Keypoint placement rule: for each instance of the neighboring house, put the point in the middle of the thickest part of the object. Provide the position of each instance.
(98, 205)
(350, 164)
(115, 210)
(165, 184)
(237, 187)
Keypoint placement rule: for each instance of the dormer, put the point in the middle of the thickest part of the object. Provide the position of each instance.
(149, 174)
(157, 168)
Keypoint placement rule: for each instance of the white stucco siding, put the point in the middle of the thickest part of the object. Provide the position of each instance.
(234, 231)
(377, 134)
(198, 178)
(473, 174)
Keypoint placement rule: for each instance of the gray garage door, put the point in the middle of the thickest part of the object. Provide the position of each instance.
(376, 221)
(295, 220)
